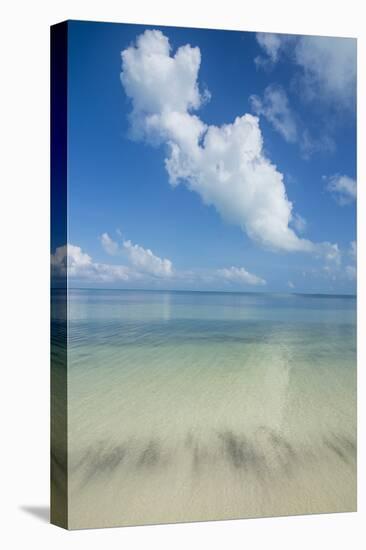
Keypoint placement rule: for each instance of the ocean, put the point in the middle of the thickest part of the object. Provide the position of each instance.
(186, 406)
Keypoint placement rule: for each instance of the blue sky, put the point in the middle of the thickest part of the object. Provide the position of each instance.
(226, 165)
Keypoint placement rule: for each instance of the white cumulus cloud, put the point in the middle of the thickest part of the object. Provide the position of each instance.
(225, 165)
(70, 260)
(109, 245)
(157, 82)
(142, 264)
(143, 259)
(240, 275)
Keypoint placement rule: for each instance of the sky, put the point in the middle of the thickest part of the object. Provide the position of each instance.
(210, 160)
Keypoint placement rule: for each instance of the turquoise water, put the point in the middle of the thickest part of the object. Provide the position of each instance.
(198, 405)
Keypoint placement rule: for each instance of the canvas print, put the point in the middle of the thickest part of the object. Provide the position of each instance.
(203, 274)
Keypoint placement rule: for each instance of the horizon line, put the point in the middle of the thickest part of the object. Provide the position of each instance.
(349, 295)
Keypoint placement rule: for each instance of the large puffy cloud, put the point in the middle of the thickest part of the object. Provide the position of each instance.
(225, 165)
(157, 82)
(230, 172)
(343, 188)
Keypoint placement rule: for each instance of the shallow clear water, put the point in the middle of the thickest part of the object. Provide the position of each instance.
(192, 406)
